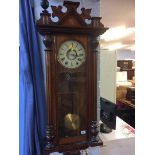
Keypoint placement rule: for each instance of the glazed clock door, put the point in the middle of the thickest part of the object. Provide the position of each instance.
(72, 85)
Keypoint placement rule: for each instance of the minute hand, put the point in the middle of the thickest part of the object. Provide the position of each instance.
(76, 53)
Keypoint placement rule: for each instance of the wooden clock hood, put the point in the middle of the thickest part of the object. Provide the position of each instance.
(71, 25)
(71, 21)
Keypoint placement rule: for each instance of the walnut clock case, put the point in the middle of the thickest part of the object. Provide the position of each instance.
(71, 77)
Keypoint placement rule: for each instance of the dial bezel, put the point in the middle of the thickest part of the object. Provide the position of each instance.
(83, 58)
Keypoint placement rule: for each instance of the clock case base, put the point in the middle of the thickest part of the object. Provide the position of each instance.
(72, 149)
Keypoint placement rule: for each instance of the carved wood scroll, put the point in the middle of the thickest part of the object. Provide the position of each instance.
(78, 24)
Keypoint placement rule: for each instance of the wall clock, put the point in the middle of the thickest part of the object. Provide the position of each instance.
(71, 77)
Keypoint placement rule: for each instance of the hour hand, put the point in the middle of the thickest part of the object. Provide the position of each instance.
(76, 53)
(80, 55)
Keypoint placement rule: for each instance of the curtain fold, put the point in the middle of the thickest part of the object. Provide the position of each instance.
(32, 110)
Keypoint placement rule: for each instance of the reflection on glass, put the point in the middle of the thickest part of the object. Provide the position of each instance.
(72, 104)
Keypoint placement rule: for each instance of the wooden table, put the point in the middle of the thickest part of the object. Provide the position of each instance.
(126, 111)
(126, 102)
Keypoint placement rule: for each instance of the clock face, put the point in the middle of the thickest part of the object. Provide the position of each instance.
(71, 54)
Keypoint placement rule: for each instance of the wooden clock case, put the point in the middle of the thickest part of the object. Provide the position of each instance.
(70, 26)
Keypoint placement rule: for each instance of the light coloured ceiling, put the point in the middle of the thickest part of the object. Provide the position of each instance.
(116, 13)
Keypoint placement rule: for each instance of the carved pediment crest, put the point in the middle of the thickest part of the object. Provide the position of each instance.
(69, 20)
(65, 18)
(71, 16)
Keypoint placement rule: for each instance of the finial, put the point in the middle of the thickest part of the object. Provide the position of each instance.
(44, 4)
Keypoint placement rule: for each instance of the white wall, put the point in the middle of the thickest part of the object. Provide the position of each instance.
(125, 54)
(108, 64)
(108, 75)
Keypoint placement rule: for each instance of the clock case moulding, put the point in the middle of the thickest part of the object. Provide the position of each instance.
(70, 23)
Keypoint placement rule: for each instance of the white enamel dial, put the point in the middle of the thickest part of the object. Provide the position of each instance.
(71, 54)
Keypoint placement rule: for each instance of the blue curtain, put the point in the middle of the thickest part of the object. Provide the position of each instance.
(32, 110)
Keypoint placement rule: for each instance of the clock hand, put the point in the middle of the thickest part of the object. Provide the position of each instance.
(76, 53)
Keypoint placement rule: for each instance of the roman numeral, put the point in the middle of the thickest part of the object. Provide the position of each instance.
(66, 63)
(79, 59)
(81, 54)
(62, 59)
(76, 45)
